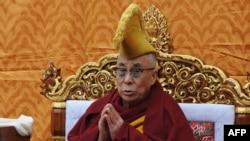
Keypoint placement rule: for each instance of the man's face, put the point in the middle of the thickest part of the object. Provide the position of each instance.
(133, 81)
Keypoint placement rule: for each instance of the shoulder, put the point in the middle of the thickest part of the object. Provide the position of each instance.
(170, 104)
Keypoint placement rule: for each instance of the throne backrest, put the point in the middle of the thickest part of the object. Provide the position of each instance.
(184, 77)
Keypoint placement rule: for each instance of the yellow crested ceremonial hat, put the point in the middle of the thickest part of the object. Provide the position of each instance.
(131, 39)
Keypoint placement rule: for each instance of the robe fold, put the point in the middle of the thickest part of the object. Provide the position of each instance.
(161, 119)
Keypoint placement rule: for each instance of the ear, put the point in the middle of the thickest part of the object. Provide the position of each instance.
(154, 77)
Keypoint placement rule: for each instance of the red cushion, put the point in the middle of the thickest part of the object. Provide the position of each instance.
(203, 130)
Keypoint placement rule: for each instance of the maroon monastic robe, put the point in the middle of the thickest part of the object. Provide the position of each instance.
(164, 119)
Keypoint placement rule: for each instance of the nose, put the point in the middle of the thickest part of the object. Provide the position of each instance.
(128, 79)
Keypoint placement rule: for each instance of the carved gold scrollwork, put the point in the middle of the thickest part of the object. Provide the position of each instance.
(156, 26)
(94, 84)
(51, 82)
(92, 81)
(247, 85)
(188, 80)
(58, 138)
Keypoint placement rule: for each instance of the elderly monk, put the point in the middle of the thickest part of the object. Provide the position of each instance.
(139, 109)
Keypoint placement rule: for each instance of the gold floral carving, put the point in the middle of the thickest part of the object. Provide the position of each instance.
(156, 26)
(92, 81)
(58, 138)
(247, 85)
(184, 77)
(188, 80)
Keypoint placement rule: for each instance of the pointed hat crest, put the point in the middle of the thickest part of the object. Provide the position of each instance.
(131, 38)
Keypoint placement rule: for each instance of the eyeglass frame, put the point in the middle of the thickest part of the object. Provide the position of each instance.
(135, 73)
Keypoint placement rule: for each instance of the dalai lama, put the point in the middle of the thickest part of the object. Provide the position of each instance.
(139, 109)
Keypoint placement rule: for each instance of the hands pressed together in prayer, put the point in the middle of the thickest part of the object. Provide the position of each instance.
(109, 123)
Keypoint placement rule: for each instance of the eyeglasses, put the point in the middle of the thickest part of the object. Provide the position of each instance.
(135, 73)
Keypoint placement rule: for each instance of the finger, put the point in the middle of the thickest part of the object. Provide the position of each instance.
(103, 128)
(113, 120)
(104, 110)
(112, 113)
(103, 118)
(102, 121)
